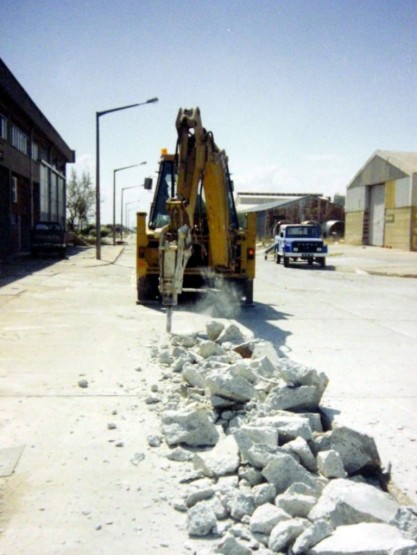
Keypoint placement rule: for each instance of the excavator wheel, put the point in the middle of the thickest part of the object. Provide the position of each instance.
(147, 289)
(248, 291)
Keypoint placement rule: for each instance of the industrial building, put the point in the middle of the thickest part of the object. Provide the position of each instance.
(381, 202)
(33, 158)
(273, 208)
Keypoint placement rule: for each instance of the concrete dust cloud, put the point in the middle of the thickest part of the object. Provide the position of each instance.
(220, 301)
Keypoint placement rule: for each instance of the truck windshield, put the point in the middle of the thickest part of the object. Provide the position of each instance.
(303, 231)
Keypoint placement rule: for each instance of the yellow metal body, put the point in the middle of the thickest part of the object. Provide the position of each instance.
(193, 236)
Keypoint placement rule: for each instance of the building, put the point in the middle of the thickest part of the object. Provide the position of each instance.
(273, 208)
(33, 158)
(381, 202)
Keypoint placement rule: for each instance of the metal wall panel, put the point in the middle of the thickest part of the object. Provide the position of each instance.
(403, 192)
(355, 199)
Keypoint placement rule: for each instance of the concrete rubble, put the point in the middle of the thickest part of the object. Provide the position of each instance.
(259, 474)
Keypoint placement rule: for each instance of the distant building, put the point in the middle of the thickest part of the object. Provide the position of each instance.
(381, 202)
(33, 157)
(272, 208)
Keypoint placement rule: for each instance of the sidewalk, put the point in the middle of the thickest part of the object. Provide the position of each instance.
(372, 260)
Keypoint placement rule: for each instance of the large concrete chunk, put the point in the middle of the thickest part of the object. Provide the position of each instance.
(406, 520)
(230, 334)
(296, 398)
(214, 329)
(266, 517)
(284, 470)
(296, 504)
(263, 493)
(357, 450)
(289, 425)
(311, 536)
(285, 532)
(365, 539)
(346, 502)
(206, 349)
(330, 464)
(192, 375)
(301, 448)
(201, 520)
(264, 438)
(241, 504)
(221, 460)
(229, 386)
(193, 426)
(297, 374)
(229, 545)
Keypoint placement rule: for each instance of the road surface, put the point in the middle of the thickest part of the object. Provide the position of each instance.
(87, 481)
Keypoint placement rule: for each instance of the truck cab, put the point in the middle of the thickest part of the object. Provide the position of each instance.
(300, 242)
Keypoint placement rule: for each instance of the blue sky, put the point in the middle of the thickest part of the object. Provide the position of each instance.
(299, 93)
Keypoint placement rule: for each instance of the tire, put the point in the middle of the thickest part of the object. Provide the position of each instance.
(323, 262)
(286, 261)
(278, 260)
(147, 289)
(310, 261)
(248, 292)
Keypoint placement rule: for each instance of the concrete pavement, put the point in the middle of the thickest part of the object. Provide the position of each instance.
(75, 489)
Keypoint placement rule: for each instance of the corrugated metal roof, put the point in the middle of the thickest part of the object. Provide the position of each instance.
(244, 208)
(404, 162)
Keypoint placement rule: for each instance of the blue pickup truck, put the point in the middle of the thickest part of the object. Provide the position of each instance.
(300, 242)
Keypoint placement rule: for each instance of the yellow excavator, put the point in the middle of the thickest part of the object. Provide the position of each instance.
(193, 239)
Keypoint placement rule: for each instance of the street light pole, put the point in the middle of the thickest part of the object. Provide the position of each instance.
(98, 116)
(121, 207)
(128, 210)
(114, 195)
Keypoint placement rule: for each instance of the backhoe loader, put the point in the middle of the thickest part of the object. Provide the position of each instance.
(192, 238)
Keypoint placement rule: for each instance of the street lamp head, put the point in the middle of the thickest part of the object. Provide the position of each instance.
(152, 100)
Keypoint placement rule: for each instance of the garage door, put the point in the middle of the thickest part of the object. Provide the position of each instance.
(376, 215)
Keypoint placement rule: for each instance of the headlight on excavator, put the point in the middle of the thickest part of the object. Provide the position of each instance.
(251, 253)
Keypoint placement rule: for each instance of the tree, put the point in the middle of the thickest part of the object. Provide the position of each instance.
(80, 200)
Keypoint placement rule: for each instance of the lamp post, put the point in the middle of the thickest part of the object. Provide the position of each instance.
(121, 207)
(98, 116)
(128, 211)
(114, 195)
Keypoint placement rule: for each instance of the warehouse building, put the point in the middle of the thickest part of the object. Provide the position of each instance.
(381, 202)
(33, 158)
(275, 208)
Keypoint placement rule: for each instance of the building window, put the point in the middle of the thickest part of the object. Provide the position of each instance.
(19, 139)
(3, 127)
(35, 151)
(14, 189)
(52, 194)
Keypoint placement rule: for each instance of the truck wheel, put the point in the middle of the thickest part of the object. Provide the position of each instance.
(248, 292)
(310, 260)
(278, 259)
(286, 261)
(323, 262)
(147, 289)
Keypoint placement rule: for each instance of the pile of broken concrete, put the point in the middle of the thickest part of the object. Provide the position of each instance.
(260, 474)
